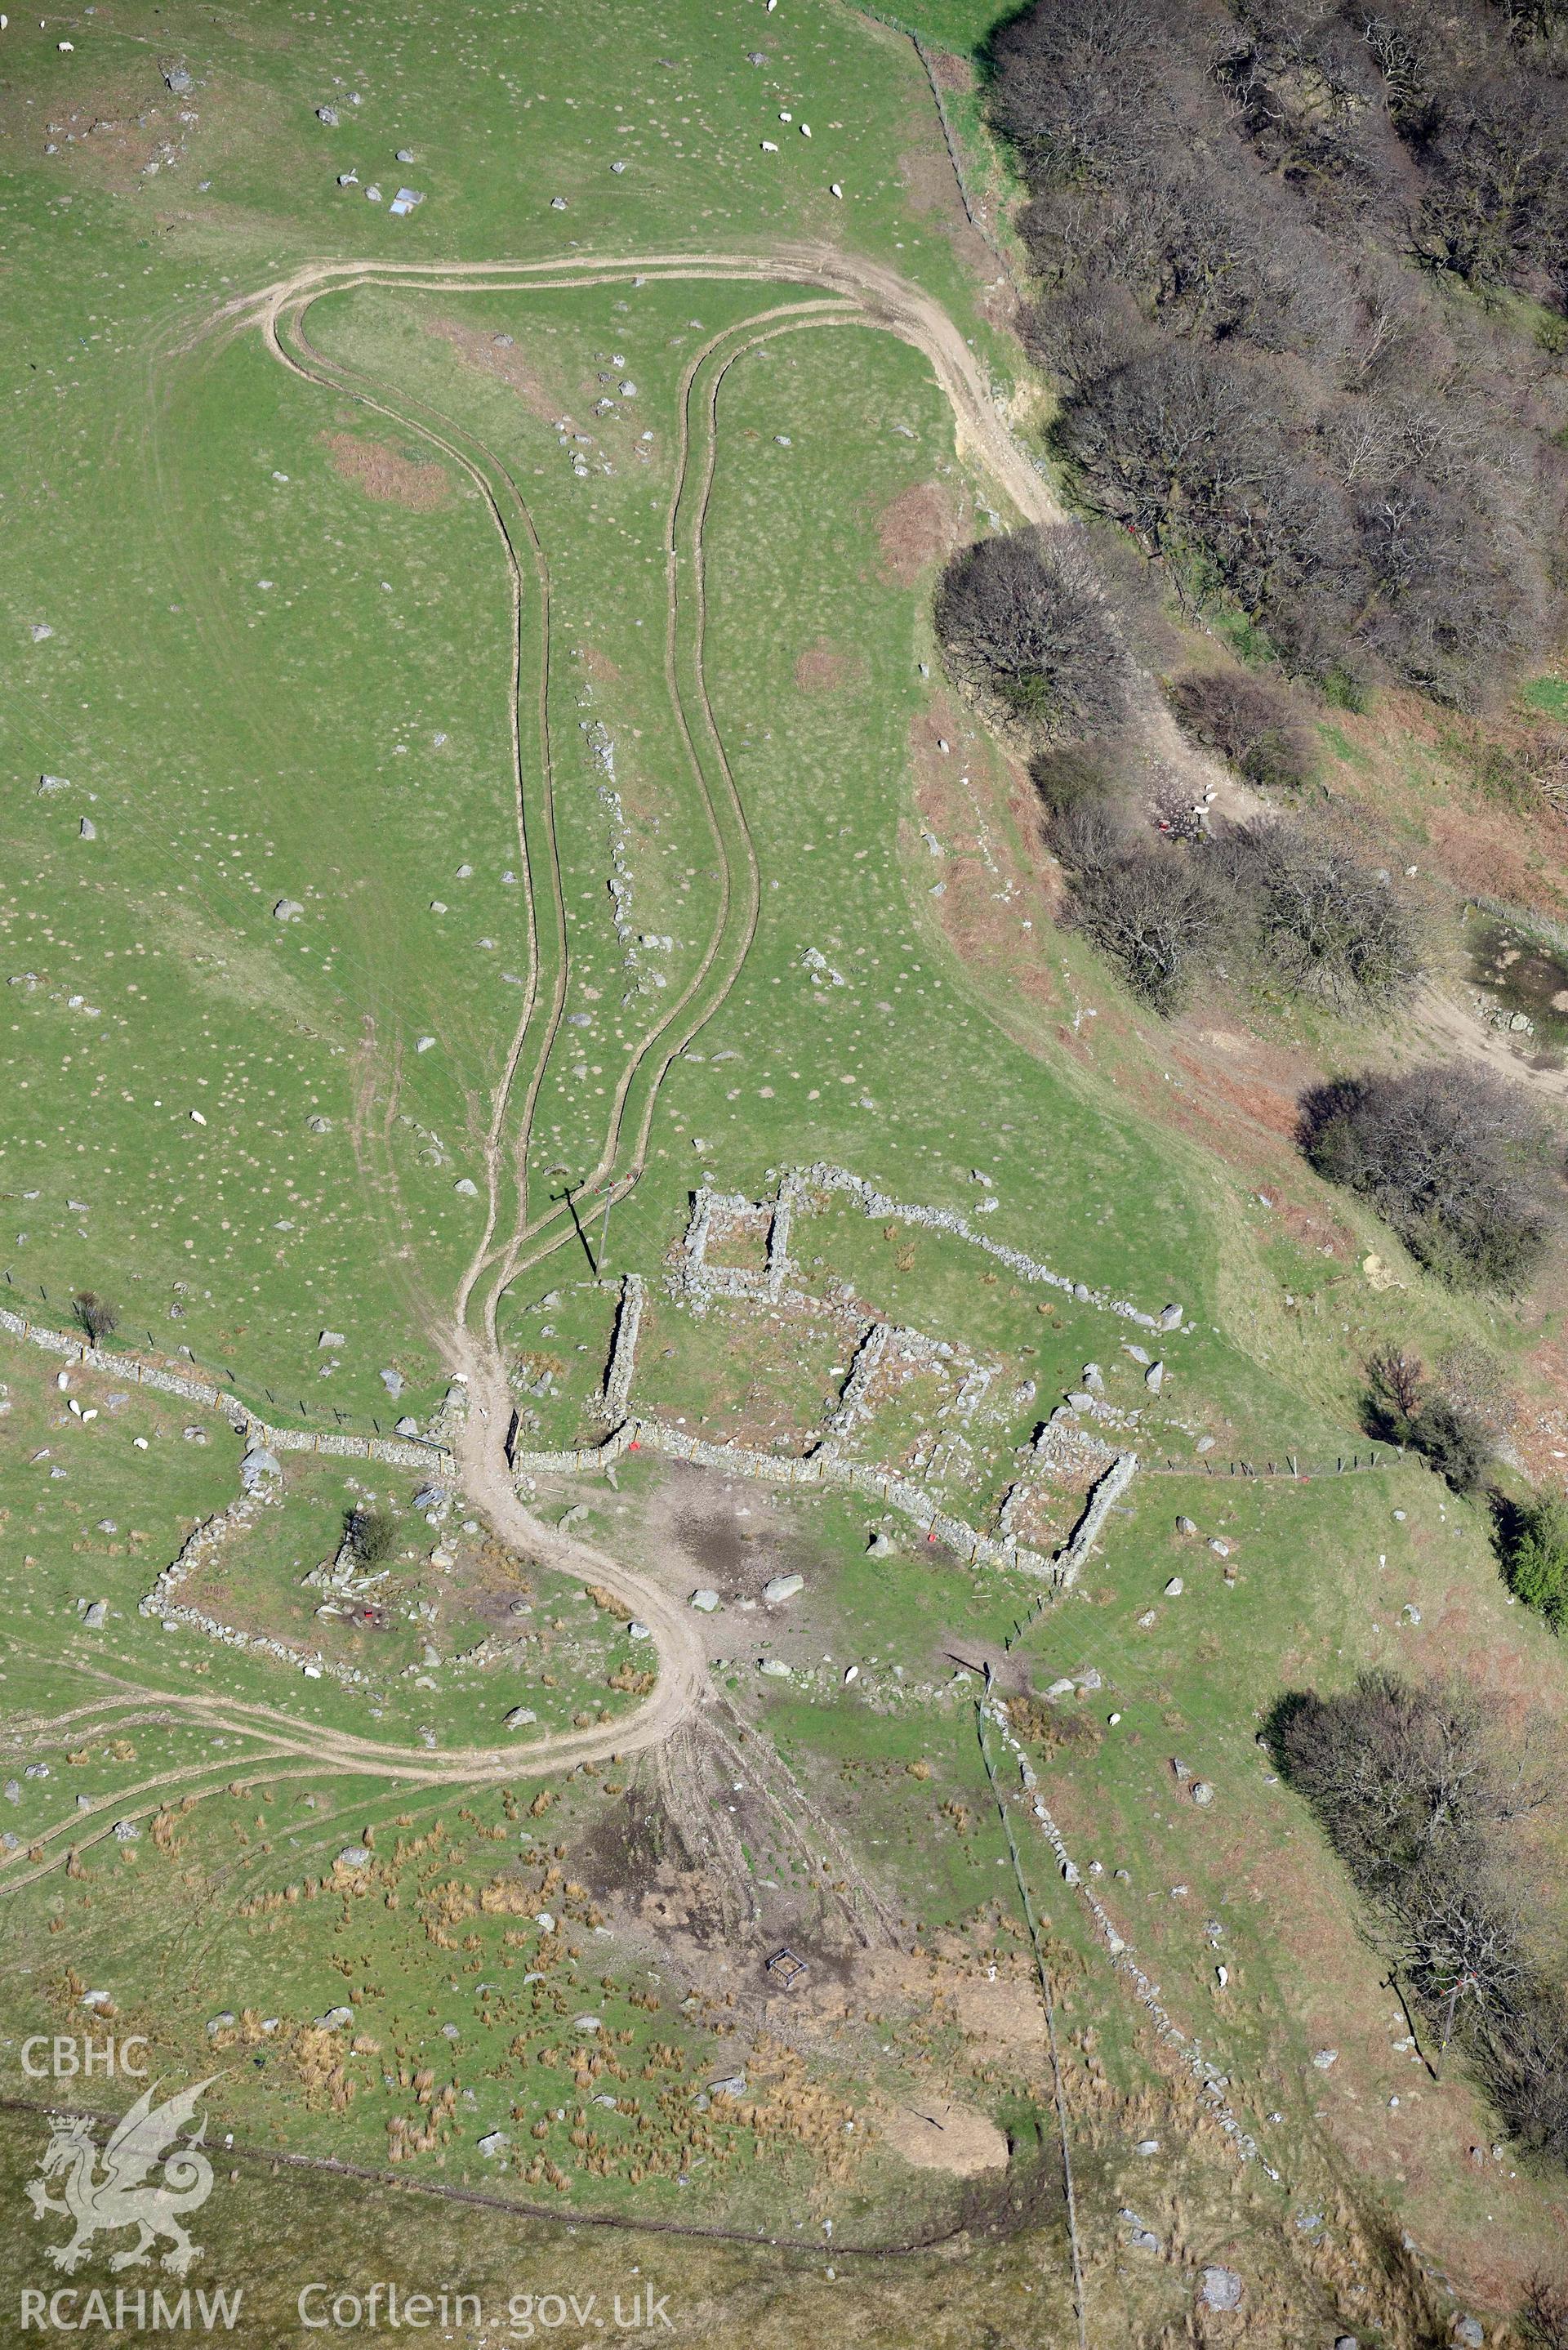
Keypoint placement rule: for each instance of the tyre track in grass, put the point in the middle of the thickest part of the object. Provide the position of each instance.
(314, 368)
(793, 318)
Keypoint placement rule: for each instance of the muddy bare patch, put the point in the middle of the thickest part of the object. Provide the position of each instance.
(478, 346)
(825, 669)
(385, 474)
(919, 527)
(937, 2135)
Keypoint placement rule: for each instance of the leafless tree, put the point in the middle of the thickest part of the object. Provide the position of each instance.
(1155, 910)
(1022, 622)
(1327, 924)
(1252, 723)
(1459, 1163)
(95, 1316)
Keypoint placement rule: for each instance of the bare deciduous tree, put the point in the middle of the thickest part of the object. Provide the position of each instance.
(95, 1316)
(1327, 924)
(1459, 1163)
(1023, 621)
(1253, 723)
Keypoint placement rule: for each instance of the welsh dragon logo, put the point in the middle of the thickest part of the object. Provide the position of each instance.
(123, 2192)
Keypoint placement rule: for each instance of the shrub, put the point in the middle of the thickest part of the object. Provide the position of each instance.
(1542, 2316)
(1456, 1162)
(1071, 776)
(1158, 914)
(1248, 722)
(1328, 925)
(1022, 622)
(95, 1316)
(1449, 1433)
(1536, 1561)
(371, 1532)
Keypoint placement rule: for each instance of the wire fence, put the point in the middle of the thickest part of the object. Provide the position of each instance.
(1289, 1466)
(112, 1342)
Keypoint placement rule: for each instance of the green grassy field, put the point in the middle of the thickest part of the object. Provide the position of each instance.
(474, 739)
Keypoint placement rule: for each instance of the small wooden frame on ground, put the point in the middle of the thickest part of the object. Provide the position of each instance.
(785, 1969)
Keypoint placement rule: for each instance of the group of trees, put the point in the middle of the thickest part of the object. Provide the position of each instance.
(1419, 1799)
(1461, 1163)
(1293, 902)
(1255, 380)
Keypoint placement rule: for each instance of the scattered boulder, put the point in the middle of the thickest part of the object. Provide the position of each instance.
(94, 1615)
(705, 1601)
(775, 1666)
(407, 1425)
(495, 2143)
(392, 1382)
(354, 1855)
(88, 829)
(127, 1832)
(1170, 1318)
(319, 1125)
(1175, 1587)
(1154, 1378)
(1202, 1792)
(1185, 1526)
(1220, 2289)
(467, 1186)
(519, 1718)
(331, 1338)
(333, 2021)
(1325, 2059)
(782, 1586)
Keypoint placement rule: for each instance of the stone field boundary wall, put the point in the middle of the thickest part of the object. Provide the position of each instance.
(400, 1451)
(822, 1467)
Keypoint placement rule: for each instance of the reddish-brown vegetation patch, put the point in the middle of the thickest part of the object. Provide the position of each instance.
(919, 527)
(824, 669)
(506, 361)
(377, 469)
